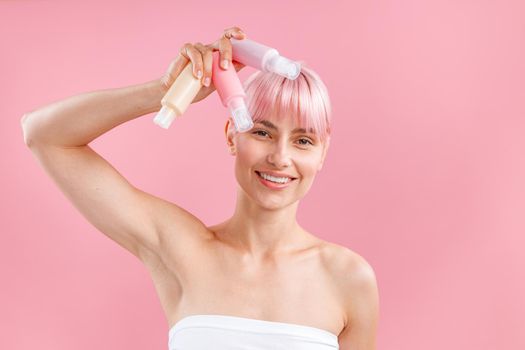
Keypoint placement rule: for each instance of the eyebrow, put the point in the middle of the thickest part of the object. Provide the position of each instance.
(272, 126)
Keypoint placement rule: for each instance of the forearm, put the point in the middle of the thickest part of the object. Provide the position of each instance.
(78, 120)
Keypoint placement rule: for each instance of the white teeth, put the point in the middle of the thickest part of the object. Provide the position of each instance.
(281, 180)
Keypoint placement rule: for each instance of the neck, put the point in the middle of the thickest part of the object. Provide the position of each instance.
(262, 232)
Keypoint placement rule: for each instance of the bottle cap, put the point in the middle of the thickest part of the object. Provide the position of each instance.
(242, 119)
(165, 117)
(285, 67)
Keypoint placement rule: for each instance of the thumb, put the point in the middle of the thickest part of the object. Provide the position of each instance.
(175, 68)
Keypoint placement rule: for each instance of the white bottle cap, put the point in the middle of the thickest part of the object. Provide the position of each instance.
(283, 66)
(240, 114)
(165, 117)
(242, 119)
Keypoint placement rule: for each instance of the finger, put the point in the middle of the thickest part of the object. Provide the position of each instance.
(177, 65)
(234, 32)
(194, 55)
(175, 68)
(225, 50)
(207, 59)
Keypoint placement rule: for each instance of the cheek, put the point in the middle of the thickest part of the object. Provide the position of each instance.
(249, 151)
(246, 159)
(307, 168)
(308, 163)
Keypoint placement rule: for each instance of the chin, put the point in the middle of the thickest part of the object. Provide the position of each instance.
(268, 204)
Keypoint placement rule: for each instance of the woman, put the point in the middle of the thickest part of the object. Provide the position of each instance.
(255, 281)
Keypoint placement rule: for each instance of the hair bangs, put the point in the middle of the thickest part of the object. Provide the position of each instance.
(304, 99)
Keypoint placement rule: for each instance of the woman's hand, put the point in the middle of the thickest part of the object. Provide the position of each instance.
(201, 58)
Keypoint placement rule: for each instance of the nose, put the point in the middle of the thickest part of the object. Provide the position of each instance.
(279, 155)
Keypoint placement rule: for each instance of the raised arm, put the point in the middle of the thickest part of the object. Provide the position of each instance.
(59, 135)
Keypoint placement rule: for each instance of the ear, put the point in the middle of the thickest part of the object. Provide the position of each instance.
(325, 150)
(229, 133)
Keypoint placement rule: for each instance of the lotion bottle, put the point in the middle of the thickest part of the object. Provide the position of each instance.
(179, 96)
(261, 57)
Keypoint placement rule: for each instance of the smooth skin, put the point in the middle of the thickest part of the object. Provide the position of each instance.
(259, 263)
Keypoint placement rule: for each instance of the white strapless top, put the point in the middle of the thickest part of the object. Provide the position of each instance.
(221, 332)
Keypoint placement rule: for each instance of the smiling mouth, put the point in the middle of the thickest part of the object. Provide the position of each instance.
(276, 182)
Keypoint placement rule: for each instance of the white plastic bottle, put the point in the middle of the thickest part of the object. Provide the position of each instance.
(259, 56)
(179, 96)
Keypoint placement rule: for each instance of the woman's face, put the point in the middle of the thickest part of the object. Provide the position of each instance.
(272, 146)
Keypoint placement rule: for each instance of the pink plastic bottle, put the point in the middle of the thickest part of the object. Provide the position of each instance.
(231, 93)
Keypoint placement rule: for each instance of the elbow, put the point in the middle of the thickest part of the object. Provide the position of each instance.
(24, 122)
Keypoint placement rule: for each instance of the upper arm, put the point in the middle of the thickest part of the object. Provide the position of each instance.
(362, 310)
(125, 214)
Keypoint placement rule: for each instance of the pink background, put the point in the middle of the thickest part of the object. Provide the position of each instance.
(424, 178)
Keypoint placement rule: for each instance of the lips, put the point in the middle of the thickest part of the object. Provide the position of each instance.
(273, 185)
(275, 174)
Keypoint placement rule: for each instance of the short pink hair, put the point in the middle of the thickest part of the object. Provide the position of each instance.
(305, 99)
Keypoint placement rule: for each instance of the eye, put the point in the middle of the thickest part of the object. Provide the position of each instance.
(307, 141)
(302, 141)
(257, 132)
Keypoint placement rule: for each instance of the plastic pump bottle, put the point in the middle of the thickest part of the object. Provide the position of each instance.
(232, 94)
(251, 53)
(179, 96)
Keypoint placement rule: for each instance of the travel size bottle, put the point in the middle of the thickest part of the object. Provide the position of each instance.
(179, 96)
(232, 94)
(253, 54)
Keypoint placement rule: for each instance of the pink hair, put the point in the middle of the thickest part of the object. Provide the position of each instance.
(305, 99)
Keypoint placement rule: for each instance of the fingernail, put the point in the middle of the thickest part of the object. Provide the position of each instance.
(225, 64)
(199, 74)
(207, 81)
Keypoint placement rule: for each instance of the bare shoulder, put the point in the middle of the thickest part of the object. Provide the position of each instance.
(344, 263)
(354, 279)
